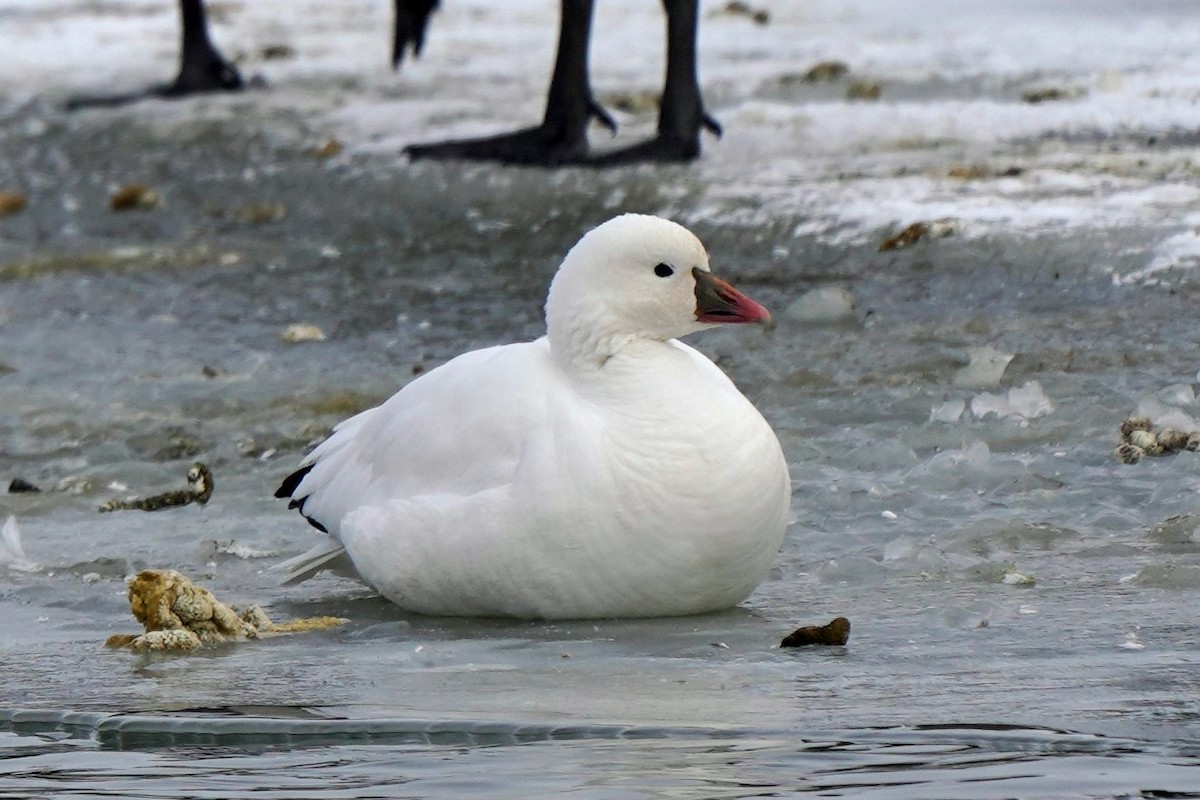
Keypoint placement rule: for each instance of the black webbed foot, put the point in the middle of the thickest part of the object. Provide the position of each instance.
(665, 148)
(201, 67)
(222, 78)
(550, 144)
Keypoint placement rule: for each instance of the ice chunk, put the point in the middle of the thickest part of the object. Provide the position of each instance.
(985, 369)
(1178, 394)
(973, 456)
(974, 615)
(827, 305)
(950, 411)
(1131, 642)
(1167, 575)
(851, 570)
(1022, 402)
(1012, 577)
(12, 553)
(1166, 416)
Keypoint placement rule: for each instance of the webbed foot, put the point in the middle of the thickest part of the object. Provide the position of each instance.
(550, 144)
(665, 148)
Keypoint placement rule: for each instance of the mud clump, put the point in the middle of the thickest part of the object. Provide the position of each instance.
(834, 634)
(179, 615)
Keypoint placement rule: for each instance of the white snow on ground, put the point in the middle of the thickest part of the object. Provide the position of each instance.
(951, 74)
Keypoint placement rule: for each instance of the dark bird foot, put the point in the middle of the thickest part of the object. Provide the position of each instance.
(215, 75)
(106, 100)
(222, 77)
(534, 146)
(665, 148)
(551, 144)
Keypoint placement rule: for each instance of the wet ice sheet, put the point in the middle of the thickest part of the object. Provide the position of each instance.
(1116, 152)
(140, 342)
(982, 762)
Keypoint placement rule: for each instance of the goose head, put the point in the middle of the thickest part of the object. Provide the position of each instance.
(637, 277)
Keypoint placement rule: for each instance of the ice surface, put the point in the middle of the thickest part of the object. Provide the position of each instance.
(1024, 402)
(985, 369)
(824, 306)
(136, 343)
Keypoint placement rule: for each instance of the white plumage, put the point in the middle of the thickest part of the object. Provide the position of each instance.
(603, 470)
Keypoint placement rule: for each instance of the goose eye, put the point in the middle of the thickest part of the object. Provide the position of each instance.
(664, 271)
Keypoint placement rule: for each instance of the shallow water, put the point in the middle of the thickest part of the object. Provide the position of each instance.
(1023, 605)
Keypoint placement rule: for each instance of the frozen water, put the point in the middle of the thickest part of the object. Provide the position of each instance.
(985, 368)
(1023, 402)
(136, 343)
(824, 306)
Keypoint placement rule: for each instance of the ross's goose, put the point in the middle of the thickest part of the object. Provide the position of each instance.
(603, 470)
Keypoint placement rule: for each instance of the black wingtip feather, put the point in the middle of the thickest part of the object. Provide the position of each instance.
(288, 487)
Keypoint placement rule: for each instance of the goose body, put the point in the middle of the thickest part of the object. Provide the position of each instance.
(603, 470)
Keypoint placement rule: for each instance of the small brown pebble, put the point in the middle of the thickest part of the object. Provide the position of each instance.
(1051, 93)
(835, 633)
(1132, 424)
(1128, 453)
(968, 172)
(826, 71)
(634, 102)
(909, 236)
(864, 90)
(329, 149)
(20, 485)
(1193, 441)
(275, 52)
(11, 203)
(740, 8)
(974, 172)
(133, 195)
(262, 213)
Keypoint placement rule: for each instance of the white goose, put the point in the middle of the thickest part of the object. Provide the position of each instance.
(603, 470)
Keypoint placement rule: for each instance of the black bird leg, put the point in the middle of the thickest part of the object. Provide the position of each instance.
(682, 115)
(562, 136)
(201, 67)
(412, 16)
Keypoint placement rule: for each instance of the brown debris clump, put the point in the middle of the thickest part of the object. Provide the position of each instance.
(1138, 439)
(11, 203)
(199, 490)
(133, 195)
(864, 90)
(179, 615)
(262, 213)
(1052, 93)
(740, 8)
(329, 149)
(911, 234)
(835, 633)
(976, 172)
(824, 71)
